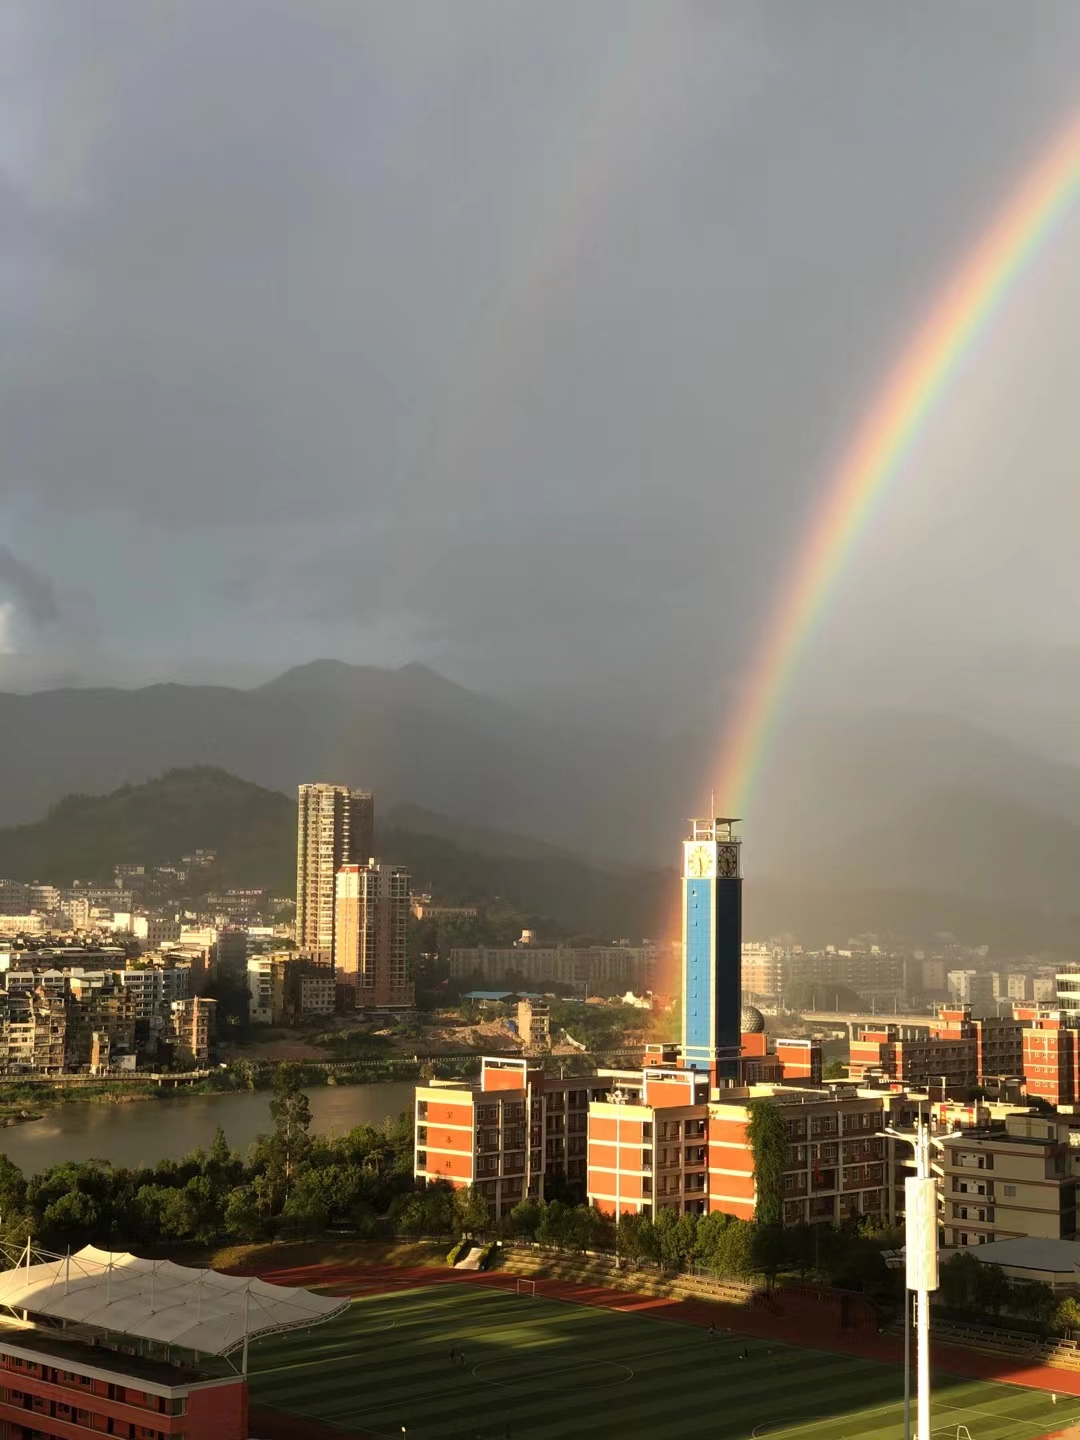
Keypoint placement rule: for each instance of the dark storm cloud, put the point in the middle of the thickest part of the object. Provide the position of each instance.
(522, 334)
(34, 592)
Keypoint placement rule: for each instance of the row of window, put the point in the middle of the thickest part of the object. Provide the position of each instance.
(38, 1405)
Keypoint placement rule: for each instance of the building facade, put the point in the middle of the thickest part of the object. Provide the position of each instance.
(712, 948)
(371, 936)
(512, 1133)
(1018, 1179)
(622, 966)
(335, 827)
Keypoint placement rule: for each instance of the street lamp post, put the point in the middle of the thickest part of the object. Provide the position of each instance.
(921, 1263)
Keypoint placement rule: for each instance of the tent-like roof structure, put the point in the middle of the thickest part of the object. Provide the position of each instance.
(157, 1300)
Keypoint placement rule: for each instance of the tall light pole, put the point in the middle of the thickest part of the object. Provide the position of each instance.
(921, 1256)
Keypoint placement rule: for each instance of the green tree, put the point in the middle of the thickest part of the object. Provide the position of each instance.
(991, 1289)
(410, 1216)
(472, 1210)
(635, 1239)
(1067, 1315)
(1034, 1300)
(733, 1253)
(766, 1133)
(710, 1228)
(290, 1144)
(676, 1236)
(957, 1280)
(244, 1218)
(835, 1070)
(552, 1231)
(770, 1249)
(220, 1155)
(71, 1219)
(193, 1212)
(585, 1228)
(307, 1210)
(12, 1190)
(522, 1222)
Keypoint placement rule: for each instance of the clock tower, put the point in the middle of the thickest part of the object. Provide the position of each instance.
(712, 948)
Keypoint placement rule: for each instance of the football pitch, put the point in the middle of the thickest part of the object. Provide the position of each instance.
(542, 1369)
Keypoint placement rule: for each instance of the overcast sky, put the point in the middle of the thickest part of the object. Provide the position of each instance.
(519, 338)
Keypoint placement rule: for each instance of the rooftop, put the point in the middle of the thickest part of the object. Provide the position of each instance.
(199, 1310)
(54, 1346)
(1029, 1252)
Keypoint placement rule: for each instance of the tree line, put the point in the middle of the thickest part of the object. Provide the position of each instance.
(976, 1291)
(289, 1184)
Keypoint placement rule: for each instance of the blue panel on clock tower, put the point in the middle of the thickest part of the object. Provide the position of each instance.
(712, 956)
(698, 970)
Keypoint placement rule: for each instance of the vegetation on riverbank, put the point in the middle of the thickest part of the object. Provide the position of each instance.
(288, 1184)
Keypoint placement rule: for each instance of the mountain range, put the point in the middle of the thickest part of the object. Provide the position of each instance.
(253, 831)
(886, 820)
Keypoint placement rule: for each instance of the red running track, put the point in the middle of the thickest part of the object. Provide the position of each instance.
(798, 1323)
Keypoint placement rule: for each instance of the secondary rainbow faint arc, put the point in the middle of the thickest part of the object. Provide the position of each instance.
(883, 442)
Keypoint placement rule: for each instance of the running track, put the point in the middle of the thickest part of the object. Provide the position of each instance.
(784, 1328)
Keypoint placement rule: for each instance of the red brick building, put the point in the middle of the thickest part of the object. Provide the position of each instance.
(79, 1363)
(511, 1133)
(1051, 1063)
(664, 1149)
(954, 1047)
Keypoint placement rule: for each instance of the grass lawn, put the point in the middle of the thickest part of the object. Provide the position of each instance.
(551, 1371)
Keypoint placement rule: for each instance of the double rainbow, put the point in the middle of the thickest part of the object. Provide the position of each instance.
(910, 396)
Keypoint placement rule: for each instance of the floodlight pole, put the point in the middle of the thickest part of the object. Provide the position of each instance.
(907, 1362)
(921, 1247)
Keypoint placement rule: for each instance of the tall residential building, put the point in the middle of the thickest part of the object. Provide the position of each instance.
(974, 988)
(712, 948)
(336, 827)
(370, 934)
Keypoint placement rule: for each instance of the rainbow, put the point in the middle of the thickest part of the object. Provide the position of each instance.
(912, 393)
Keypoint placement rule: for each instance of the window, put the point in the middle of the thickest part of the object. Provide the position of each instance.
(1010, 1192)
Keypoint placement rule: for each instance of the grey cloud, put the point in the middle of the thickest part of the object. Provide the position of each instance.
(34, 592)
(520, 337)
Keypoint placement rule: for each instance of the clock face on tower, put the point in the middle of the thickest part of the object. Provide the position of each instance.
(727, 861)
(700, 861)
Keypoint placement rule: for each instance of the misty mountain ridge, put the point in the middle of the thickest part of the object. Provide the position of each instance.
(885, 801)
(253, 831)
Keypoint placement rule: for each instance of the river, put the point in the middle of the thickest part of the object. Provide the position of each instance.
(141, 1133)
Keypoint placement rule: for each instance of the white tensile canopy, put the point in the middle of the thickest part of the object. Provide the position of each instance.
(157, 1300)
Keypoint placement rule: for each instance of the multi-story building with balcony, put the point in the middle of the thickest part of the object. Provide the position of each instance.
(192, 1027)
(953, 1049)
(371, 936)
(335, 828)
(1016, 1179)
(513, 1132)
(673, 1148)
(614, 966)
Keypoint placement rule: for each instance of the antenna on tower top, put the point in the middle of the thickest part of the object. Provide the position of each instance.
(712, 803)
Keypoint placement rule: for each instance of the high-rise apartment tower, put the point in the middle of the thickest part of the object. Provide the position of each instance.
(712, 948)
(336, 827)
(371, 930)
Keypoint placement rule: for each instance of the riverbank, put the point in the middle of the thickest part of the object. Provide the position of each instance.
(116, 1128)
(23, 1101)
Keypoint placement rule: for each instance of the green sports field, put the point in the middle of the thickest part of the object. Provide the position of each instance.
(551, 1371)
